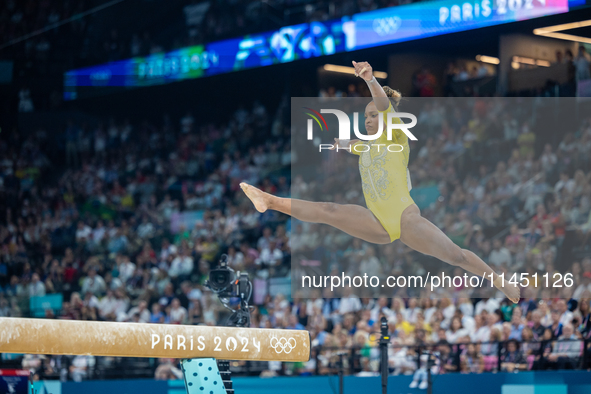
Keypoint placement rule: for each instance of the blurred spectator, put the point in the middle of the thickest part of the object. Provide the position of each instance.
(25, 103)
(142, 312)
(582, 64)
(36, 287)
(566, 351)
(94, 283)
(512, 358)
(178, 314)
(81, 367)
(167, 371)
(424, 82)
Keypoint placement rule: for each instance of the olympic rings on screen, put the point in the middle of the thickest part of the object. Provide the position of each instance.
(386, 26)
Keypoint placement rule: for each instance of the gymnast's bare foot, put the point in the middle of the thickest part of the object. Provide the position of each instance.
(511, 290)
(257, 196)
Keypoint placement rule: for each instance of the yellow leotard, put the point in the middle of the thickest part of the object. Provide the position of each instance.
(385, 177)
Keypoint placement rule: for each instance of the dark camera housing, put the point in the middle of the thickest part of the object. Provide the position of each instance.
(226, 283)
(220, 279)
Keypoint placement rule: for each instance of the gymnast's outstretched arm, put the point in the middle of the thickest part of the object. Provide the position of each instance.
(349, 145)
(364, 70)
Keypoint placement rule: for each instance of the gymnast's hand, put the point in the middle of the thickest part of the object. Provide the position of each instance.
(363, 70)
(336, 142)
(343, 144)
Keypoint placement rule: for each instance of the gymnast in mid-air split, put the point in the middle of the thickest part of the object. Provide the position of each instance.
(391, 213)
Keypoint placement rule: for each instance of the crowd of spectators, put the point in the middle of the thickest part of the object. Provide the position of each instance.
(110, 231)
(425, 83)
(460, 72)
(578, 68)
(130, 228)
(468, 337)
(579, 65)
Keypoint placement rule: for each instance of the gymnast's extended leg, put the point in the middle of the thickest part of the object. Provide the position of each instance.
(423, 236)
(355, 220)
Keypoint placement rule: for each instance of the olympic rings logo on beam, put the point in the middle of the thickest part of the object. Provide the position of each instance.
(283, 345)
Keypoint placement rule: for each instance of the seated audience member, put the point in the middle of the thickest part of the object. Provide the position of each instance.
(512, 359)
(566, 351)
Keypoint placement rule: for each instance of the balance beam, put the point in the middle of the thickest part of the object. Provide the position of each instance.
(72, 337)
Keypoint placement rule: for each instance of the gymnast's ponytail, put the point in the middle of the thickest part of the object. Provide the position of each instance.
(394, 96)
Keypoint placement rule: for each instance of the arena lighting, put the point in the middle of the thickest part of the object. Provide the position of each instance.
(562, 27)
(350, 70)
(567, 37)
(552, 31)
(530, 61)
(487, 59)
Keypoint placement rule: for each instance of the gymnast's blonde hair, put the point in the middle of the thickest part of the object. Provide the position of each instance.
(394, 96)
